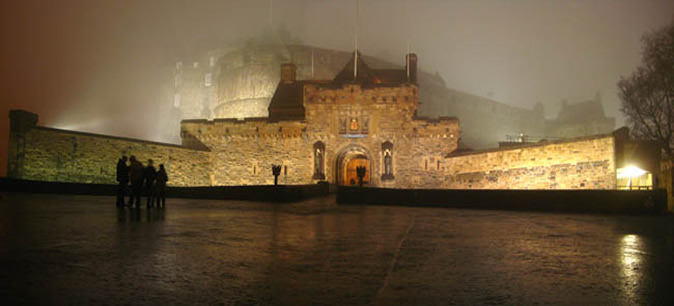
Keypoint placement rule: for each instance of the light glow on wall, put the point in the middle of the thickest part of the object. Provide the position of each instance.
(630, 171)
(633, 177)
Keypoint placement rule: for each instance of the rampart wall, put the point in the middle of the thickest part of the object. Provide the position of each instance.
(240, 152)
(243, 151)
(46, 154)
(585, 163)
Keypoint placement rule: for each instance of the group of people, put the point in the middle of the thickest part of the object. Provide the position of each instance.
(143, 180)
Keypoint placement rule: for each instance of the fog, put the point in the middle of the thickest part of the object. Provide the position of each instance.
(96, 65)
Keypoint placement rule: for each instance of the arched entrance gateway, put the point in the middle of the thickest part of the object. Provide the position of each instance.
(351, 157)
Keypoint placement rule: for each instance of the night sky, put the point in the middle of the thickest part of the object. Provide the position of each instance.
(100, 61)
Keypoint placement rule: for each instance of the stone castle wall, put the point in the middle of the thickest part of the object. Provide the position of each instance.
(585, 163)
(391, 117)
(241, 153)
(46, 154)
(243, 150)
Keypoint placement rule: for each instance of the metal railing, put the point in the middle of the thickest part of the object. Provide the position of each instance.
(523, 138)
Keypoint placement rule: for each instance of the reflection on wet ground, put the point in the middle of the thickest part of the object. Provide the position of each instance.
(83, 250)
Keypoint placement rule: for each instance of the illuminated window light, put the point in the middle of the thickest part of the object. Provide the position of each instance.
(632, 177)
(630, 171)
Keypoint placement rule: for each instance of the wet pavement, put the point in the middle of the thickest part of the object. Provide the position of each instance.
(58, 249)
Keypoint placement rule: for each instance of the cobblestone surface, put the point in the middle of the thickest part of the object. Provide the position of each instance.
(82, 250)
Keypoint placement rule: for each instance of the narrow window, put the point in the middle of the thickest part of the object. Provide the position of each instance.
(208, 79)
(176, 100)
(177, 80)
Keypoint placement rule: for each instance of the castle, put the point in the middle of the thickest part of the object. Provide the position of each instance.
(322, 130)
(240, 82)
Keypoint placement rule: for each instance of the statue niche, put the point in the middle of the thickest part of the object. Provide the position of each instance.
(387, 152)
(319, 161)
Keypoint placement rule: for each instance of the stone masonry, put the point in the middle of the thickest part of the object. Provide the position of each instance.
(585, 163)
(315, 129)
(46, 154)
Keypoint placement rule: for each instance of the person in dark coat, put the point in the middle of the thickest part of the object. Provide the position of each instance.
(160, 186)
(149, 175)
(136, 176)
(123, 180)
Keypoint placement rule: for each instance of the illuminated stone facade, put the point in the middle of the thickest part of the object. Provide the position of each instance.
(46, 154)
(321, 130)
(371, 118)
(584, 163)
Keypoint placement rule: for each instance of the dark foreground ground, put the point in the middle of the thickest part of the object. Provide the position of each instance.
(82, 250)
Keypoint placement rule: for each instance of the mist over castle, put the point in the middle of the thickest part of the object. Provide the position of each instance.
(323, 130)
(351, 152)
(240, 82)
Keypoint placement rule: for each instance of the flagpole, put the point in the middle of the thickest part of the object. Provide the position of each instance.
(355, 53)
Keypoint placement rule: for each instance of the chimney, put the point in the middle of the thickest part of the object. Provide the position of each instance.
(288, 73)
(411, 66)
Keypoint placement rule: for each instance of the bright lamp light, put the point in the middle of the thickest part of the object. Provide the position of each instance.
(631, 171)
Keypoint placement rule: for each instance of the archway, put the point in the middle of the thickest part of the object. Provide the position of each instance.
(346, 163)
(350, 174)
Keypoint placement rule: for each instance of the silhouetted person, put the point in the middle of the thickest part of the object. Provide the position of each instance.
(123, 180)
(149, 175)
(160, 186)
(136, 175)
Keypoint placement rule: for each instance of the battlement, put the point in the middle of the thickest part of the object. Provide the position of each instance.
(355, 93)
(248, 128)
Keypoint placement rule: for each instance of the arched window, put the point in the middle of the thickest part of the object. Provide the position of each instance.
(319, 161)
(387, 152)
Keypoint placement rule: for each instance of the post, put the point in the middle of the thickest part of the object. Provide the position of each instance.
(360, 171)
(276, 171)
(355, 52)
